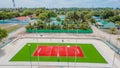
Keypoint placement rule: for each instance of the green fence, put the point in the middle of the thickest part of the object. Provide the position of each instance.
(60, 31)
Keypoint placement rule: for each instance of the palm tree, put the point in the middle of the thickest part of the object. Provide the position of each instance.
(93, 21)
(113, 30)
(118, 24)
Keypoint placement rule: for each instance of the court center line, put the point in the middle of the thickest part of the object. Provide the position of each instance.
(58, 52)
(78, 51)
(51, 50)
(66, 52)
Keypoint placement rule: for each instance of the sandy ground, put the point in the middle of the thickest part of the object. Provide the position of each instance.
(7, 52)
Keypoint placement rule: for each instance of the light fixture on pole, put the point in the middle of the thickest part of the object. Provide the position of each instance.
(68, 55)
(118, 35)
(113, 60)
(76, 49)
(38, 57)
(58, 55)
(36, 27)
(29, 47)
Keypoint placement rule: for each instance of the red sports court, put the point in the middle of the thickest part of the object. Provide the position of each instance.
(59, 51)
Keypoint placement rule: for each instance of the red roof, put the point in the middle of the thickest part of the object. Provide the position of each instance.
(22, 18)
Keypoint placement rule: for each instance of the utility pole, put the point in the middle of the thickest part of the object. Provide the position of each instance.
(13, 3)
(14, 6)
(113, 60)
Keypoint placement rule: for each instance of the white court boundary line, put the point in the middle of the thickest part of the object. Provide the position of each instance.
(78, 51)
(39, 51)
(34, 50)
(66, 52)
(58, 52)
(56, 42)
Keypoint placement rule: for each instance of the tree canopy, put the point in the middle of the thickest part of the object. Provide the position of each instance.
(3, 33)
(106, 14)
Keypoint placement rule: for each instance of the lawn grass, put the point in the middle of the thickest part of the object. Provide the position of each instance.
(14, 28)
(91, 55)
(118, 39)
(11, 27)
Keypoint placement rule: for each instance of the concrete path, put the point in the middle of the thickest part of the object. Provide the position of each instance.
(11, 49)
(111, 38)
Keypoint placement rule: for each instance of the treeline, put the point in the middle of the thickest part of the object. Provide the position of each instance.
(73, 20)
(8, 15)
(47, 26)
(109, 15)
(39, 13)
(73, 16)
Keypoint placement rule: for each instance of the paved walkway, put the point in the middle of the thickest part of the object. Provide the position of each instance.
(17, 33)
(16, 46)
(111, 38)
(7, 52)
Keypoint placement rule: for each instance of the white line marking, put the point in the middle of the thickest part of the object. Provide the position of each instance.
(50, 51)
(66, 52)
(39, 50)
(58, 52)
(78, 51)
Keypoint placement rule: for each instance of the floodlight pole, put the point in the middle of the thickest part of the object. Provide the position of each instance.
(36, 27)
(50, 32)
(109, 38)
(113, 60)
(118, 31)
(61, 28)
(38, 57)
(29, 46)
(68, 55)
(68, 28)
(75, 51)
(58, 54)
(75, 55)
(118, 36)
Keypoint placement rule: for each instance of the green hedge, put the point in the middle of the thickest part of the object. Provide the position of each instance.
(59, 31)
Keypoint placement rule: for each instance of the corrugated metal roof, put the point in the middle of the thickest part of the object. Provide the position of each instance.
(109, 25)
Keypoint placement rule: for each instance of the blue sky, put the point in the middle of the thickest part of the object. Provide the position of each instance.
(61, 3)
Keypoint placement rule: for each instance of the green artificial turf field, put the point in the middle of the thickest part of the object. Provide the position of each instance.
(91, 55)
